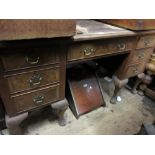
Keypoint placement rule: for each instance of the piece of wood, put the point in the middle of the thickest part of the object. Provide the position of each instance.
(133, 24)
(84, 91)
(16, 29)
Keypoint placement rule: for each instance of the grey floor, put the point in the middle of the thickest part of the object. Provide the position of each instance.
(125, 117)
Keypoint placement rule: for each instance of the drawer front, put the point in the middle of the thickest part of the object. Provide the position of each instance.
(134, 70)
(98, 48)
(146, 41)
(141, 55)
(34, 99)
(27, 58)
(33, 79)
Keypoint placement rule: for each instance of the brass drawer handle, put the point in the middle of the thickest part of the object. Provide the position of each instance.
(141, 55)
(38, 99)
(121, 46)
(146, 42)
(32, 60)
(88, 51)
(135, 70)
(35, 79)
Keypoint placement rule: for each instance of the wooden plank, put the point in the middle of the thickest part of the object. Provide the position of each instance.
(15, 29)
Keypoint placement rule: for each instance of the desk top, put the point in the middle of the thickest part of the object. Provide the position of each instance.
(90, 29)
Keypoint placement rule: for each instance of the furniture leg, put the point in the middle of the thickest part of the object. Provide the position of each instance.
(140, 78)
(118, 86)
(13, 123)
(59, 109)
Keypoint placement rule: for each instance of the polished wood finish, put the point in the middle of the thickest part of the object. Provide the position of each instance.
(133, 24)
(84, 91)
(15, 29)
(24, 81)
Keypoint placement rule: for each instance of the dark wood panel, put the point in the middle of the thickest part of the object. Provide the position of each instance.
(24, 81)
(84, 91)
(13, 29)
(36, 98)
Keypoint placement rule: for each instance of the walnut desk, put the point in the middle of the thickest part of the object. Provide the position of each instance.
(33, 67)
(96, 40)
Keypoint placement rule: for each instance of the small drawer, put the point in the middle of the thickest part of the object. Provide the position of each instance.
(99, 48)
(26, 58)
(34, 99)
(33, 79)
(122, 44)
(135, 69)
(146, 41)
(141, 55)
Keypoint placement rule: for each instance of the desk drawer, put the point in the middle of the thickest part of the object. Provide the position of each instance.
(33, 79)
(135, 69)
(146, 41)
(98, 48)
(27, 58)
(34, 99)
(141, 55)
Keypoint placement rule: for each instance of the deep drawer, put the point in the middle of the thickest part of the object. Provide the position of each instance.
(33, 79)
(27, 58)
(98, 48)
(146, 41)
(34, 99)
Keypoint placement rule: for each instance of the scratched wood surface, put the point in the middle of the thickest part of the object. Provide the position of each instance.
(90, 30)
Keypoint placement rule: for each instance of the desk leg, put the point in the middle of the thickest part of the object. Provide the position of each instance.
(59, 109)
(140, 78)
(13, 123)
(119, 84)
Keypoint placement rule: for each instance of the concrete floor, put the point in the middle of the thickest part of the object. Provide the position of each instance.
(124, 118)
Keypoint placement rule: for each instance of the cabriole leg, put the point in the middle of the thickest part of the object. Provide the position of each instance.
(119, 84)
(59, 109)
